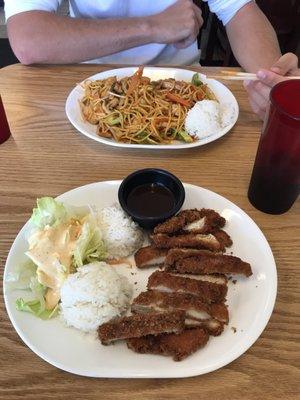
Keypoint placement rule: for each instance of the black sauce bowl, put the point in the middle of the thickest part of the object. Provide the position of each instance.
(156, 176)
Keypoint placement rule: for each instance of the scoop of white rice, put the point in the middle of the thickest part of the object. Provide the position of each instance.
(93, 295)
(204, 119)
(121, 235)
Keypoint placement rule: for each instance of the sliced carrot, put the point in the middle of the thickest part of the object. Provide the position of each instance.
(157, 120)
(178, 99)
(135, 80)
(200, 95)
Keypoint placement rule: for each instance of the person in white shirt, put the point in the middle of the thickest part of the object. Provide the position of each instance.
(139, 32)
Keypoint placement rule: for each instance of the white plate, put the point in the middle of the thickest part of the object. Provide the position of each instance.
(250, 302)
(222, 93)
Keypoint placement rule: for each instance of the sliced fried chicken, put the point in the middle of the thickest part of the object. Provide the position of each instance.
(172, 225)
(150, 256)
(202, 221)
(178, 346)
(203, 262)
(212, 326)
(138, 325)
(197, 241)
(192, 305)
(223, 238)
(177, 254)
(219, 279)
(192, 221)
(208, 292)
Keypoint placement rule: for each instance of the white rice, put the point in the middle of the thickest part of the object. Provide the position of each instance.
(93, 295)
(205, 118)
(121, 236)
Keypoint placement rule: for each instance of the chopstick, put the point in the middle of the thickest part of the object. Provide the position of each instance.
(241, 76)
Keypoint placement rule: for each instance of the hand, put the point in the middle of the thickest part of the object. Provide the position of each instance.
(178, 24)
(259, 91)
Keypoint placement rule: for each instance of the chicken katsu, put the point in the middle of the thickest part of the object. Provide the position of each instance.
(138, 325)
(211, 317)
(219, 279)
(192, 305)
(192, 221)
(223, 238)
(172, 225)
(178, 346)
(209, 292)
(212, 326)
(210, 220)
(197, 241)
(150, 256)
(204, 262)
(184, 303)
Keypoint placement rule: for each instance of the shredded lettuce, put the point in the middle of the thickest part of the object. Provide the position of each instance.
(89, 245)
(26, 279)
(38, 290)
(34, 307)
(48, 212)
(21, 278)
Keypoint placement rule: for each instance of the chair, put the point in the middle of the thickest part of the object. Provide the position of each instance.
(284, 15)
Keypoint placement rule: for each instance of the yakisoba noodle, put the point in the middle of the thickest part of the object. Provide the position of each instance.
(137, 110)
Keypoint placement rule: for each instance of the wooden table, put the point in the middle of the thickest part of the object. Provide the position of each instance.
(46, 156)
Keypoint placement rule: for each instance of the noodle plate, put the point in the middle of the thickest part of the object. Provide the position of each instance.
(137, 110)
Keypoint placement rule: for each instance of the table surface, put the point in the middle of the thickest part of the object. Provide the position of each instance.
(47, 156)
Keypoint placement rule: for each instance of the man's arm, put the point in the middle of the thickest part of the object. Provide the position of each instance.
(253, 39)
(44, 37)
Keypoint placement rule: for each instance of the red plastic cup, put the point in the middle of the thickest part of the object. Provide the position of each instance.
(275, 181)
(4, 127)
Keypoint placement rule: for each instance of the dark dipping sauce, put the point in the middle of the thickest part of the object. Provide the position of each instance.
(150, 200)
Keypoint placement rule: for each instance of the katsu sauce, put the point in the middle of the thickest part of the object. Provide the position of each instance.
(151, 200)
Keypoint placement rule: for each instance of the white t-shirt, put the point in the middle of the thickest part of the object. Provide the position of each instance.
(153, 53)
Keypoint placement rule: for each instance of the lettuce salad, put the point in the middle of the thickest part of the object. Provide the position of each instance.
(61, 238)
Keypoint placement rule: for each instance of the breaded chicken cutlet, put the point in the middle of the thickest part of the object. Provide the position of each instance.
(223, 238)
(192, 305)
(138, 325)
(178, 346)
(211, 317)
(150, 256)
(192, 221)
(197, 241)
(210, 292)
(188, 261)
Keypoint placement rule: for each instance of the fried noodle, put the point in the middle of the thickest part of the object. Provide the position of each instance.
(137, 110)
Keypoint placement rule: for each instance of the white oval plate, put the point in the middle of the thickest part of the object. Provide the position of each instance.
(250, 302)
(223, 94)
